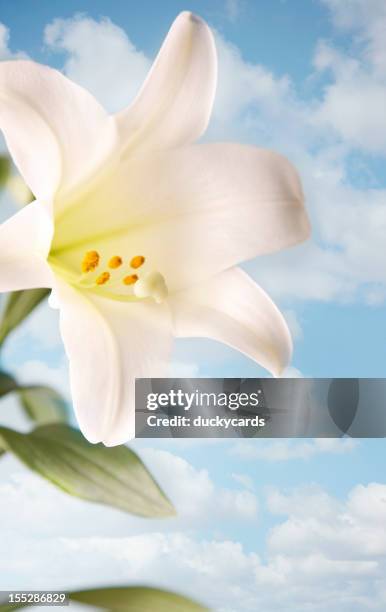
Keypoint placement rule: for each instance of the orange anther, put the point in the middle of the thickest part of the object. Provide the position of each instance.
(90, 261)
(131, 279)
(137, 261)
(115, 262)
(103, 278)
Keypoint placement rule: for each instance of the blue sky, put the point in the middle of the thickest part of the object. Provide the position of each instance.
(289, 523)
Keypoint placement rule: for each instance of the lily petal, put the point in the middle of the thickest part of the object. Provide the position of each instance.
(192, 212)
(174, 105)
(24, 244)
(109, 344)
(56, 132)
(232, 309)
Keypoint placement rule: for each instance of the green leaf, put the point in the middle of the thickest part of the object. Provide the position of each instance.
(43, 405)
(128, 599)
(7, 607)
(7, 384)
(112, 476)
(19, 190)
(18, 306)
(133, 599)
(5, 169)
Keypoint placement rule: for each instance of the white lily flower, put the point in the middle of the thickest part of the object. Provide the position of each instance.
(137, 230)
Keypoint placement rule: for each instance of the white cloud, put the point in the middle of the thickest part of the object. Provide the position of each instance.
(198, 500)
(100, 56)
(294, 324)
(286, 450)
(352, 530)
(194, 493)
(34, 352)
(291, 372)
(354, 102)
(367, 20)
(113, 547)
(330, 551)
(243, 88)
(39, 331)
(244, 480)
(321, 553)
(37, 372)
(320, 136)
(356, 88)
(304, 502)
(233, 9)
(5, 51)
(353, 14)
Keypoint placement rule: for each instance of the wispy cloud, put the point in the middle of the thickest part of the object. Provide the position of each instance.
(100, 56)
(321, 549)
(5, 51)
(287, 450)
(233, 9)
